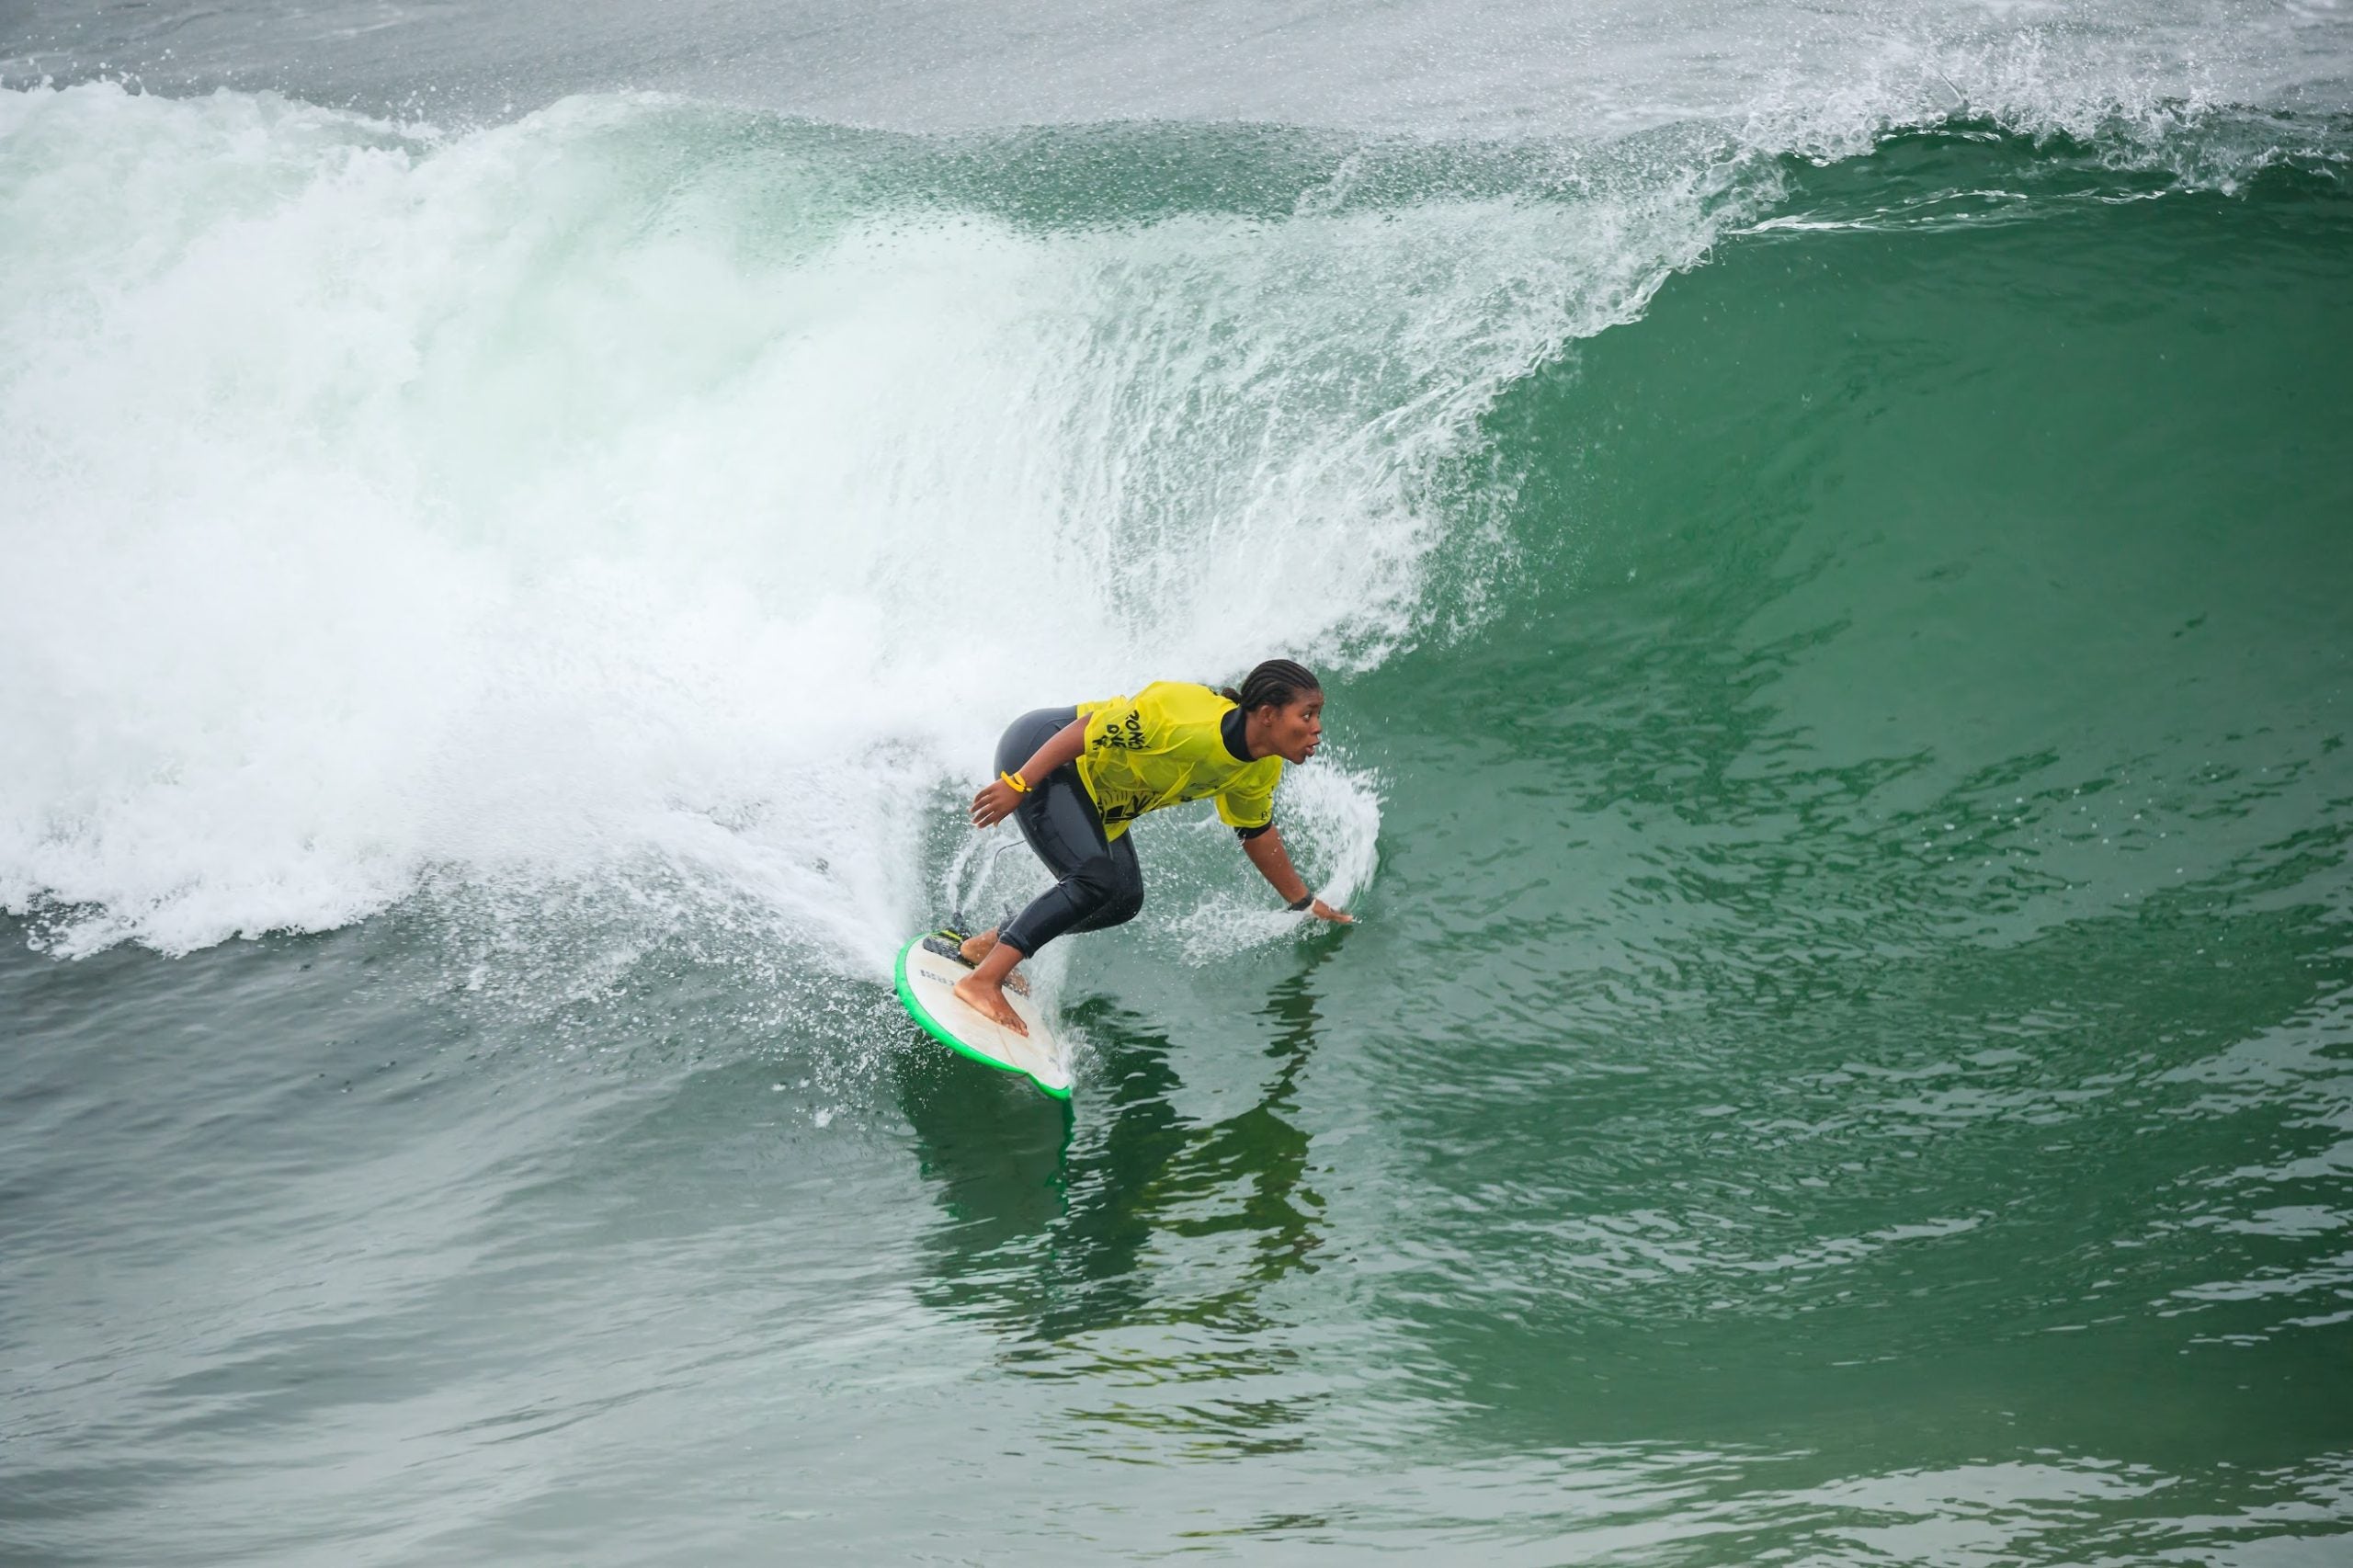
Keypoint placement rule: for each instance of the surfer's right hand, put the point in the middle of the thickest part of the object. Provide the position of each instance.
(1322, 910)
(993, 803)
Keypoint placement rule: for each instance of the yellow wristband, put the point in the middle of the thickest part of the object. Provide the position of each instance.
(1019, 785)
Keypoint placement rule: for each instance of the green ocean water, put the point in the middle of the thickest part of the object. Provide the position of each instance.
(1838, 673)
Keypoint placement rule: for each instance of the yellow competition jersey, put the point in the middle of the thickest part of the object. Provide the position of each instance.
(1163, 747)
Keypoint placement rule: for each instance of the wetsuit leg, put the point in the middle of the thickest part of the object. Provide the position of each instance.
(1099, 884)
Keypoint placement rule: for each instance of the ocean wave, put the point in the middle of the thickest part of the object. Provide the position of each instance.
(649, 491)
(634, 481)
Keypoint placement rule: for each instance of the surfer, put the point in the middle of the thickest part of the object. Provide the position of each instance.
(1072, 778)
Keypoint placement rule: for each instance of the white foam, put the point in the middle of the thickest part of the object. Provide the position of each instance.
(1330, 822)
(1433, 68)
(560, 506)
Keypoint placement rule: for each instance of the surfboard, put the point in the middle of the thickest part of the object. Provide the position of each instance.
(928, 989)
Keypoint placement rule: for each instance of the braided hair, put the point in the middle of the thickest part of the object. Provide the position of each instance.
(1275, 683)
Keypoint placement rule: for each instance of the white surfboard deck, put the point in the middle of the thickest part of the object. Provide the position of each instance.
(927, 984)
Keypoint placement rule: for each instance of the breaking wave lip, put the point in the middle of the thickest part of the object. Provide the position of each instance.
(638, 484)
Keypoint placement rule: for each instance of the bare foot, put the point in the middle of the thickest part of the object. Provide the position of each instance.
(987, 998)
(976, 948)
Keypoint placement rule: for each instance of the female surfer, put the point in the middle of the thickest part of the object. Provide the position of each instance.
(1072, 778)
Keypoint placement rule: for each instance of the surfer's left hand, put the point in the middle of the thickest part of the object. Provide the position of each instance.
(993, 804)
(1322, 910)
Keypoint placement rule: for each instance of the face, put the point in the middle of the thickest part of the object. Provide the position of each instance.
(1294, 730)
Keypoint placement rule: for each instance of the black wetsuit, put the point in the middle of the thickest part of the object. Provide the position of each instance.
(1100, 884)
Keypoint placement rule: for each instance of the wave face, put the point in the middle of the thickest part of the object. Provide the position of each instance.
(521, 509)
(1831, 570)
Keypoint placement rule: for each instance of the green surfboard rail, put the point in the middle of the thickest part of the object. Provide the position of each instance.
(940, 1032)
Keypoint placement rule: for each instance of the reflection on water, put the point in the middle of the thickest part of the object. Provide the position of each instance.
(1128, 1245)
